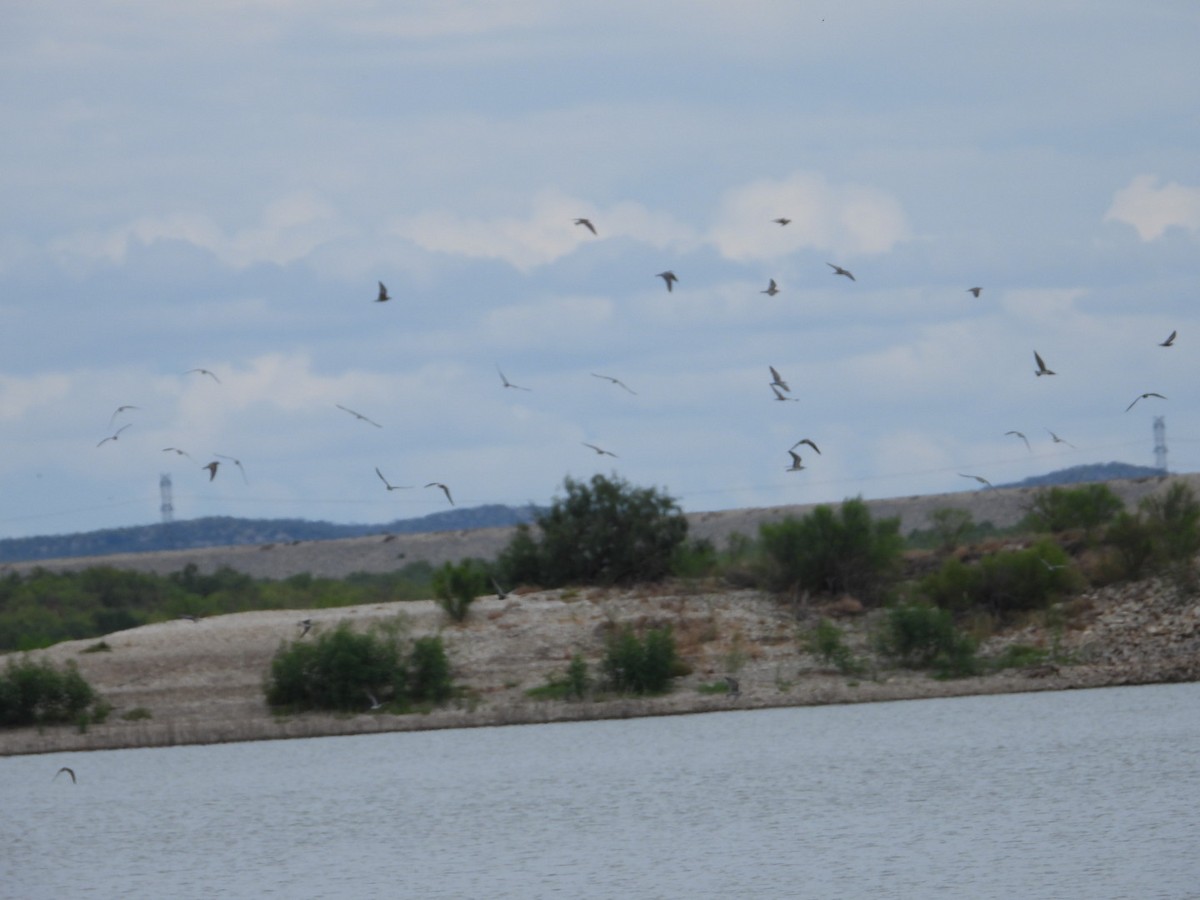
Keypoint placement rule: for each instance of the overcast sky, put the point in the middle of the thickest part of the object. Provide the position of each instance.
(221, 186)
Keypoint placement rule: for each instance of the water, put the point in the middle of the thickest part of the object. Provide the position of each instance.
(1087, 794)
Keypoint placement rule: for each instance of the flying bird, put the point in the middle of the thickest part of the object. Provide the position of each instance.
(1052, 567)
(212, 469)
(586, 223)
(599, 451)
(204, 372)
(771, 290)
(978, 478)
(509, 384)
(1170, 341)
(306, 625)
(113, 436)
(781, 221)
(1059, 440)
(358, 415)
(777, 381)
(669, 277)
(614, 381)
(779, 395)
(838, 270)
(501, 593)
(732, 687)
(69, 771)
(236, 462)
(1145, 396)
(375, 704)
(809, 442)
(1022, 437)
(796, 465)
(445, 490)
(1041, 365)
(384, 296)
(975, 290)
(178, 452)
(119, 410)
(390, 486)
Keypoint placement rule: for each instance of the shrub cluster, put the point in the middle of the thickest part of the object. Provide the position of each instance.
(345, 670)
(456, 585)
(921, 636)
(1004, 582)
(38, 693)
(644, 665)
(1060, 509)
(1163, 535)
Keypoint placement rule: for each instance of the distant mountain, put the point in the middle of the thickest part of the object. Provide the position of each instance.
(1110, 471)
(225, 531)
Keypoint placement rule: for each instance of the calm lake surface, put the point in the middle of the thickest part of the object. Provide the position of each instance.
(1080, 794)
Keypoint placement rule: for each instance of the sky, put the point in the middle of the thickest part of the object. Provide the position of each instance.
(222, 186)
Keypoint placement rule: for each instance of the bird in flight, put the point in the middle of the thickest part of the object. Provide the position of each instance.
(1041, 365)
(586, 223)
(809, 443)
(236, 462)
(838, 270)
(212, 469)
(119, 410)
(306, 624)
(375, 704)
(781, 221)
(509, 384)
(384, 296)
(777, 381)
(445, 490)
(177, 452)
(975, 290)
(358, 415)
(796, 465)
(1022, 437)
(669, 277)
(501, 593)
(978, 478)
(779, 395)
(771, 290)
(69, 771)
(390, 486)
(204, 372)
(600, 451)
(1052, 567)
(617, 381)
(113, 436)
(1145, 396)
(1059, 440)
(1170, 341)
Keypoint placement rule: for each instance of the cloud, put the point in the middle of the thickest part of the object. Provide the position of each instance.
(844, 218)
(1152, 210)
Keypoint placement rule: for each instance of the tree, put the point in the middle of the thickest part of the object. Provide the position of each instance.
(1061, 509)
(602, 532)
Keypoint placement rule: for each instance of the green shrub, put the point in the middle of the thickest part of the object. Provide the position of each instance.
(604, 532)
(634, 665)
(826, 642)
(842, 552)
(572, 686)
(950, 524)
(920, 636)
(1133, 544)
(457, 585)
(37, 693)
(429, 671)
(1059, 509)
(1004, 582)
(1175, 517)
(695, 559)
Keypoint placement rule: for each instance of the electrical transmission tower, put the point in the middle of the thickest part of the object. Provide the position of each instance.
(168, 508)
(1160, 443)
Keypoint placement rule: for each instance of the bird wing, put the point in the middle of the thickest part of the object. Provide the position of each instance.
(806, 441)
(1038, 359)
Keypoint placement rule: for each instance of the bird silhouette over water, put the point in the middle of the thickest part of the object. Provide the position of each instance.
(358, 415)
(113, 436)
(772, 289)
(1041, 365)
(838, 270)
(586, 223)
(616, 381)
(1170, 341)
(1022, 437)
(599, 450)
(670, 278)
(445, 490)
(389, 485)
(509, 384)
(69, 771)
(384, 296)
(1145, 396)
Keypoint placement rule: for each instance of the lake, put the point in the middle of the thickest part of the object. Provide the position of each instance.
(1077, 794)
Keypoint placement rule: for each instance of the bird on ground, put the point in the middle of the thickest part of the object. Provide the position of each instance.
(177, 452)
(1170, 341)
(389, 485)
(586, 223)
(445, 490)
(600, 451)
(189, 617)
(305, 625)
(777, 381)
(732, 687)
(669, 277)
(384, 296)
(358, 415)
(375, 704)
(978, 478)
(1041, 365)
(204, 372)
(617, 381)
(809, 442)
(838, 270)
(1022, 437)
(781, 221)
(212, 469)
(779, 395)
(509, 384)
(501, 593)
(113, 436)
(975, 290)
(771, 290)
(69, 771)
(1145, 396)
(1059, 440)
(236, 462)
(796, 465)
(119, 410)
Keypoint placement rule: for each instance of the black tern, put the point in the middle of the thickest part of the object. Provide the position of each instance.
(669, 277)
(772, 289)
(781, 221)
(113, 436)
(975, 290)
(1022, 437)
(212, 469)
(600, 451)
(779, 394)
(586, 223)
(509, 384)
(1059, 440)
(445, 490)
(389, 485)
(777, 380)
(617, 381)
(1170, 341)
(1041, 365)
(204, 372)
(978, 478)
(796, 465)
(1145, 396)
(384, 296)
(358, 415)
(838, 270)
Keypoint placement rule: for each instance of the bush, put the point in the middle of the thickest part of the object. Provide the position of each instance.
(1175, 516)
(824, 551)
(826, 643)
(572, 686)
(1009, 581)
(920, 636)
(457, 586)
(1061, 509)
(37, 693)
(604, 532)
(1131, 539)
(634, 665)
(950, 524)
